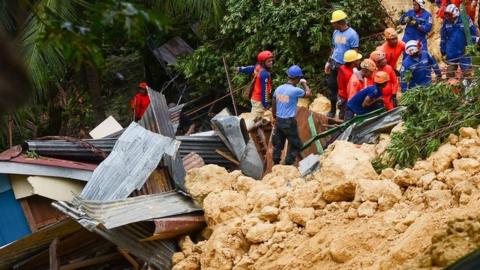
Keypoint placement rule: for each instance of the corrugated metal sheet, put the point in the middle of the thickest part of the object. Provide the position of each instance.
(134, 157)
(175, 115)
(205, 147)
(171, 227)
(158, 181)
(192, 160)
(233, 131)
(157, 117)
(34, 243)
(85, 150)
(122, 212)
(169, 51)
(130, 237)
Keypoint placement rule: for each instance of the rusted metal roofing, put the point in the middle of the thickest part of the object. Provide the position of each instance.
(169, 51)
(171, 227)
(117, 213)
(13, 162)
(130, 237)
(192, 160)
(35, 242)
(206, 147)
(175, 115)
(157, 116)
(158, 181)
(134, 157)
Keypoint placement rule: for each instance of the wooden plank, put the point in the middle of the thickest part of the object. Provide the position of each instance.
(92, 261)
(227, 157)
(53, 256)
(28, 215)
(129, 258)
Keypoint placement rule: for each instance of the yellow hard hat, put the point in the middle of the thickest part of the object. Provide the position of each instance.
(381, 77)
(351, 55)
(338, 15)
(368, 64)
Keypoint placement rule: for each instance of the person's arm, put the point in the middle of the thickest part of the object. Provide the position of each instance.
(246, 70)
(308, 92)
(403, 73)
(443, 40)
(264, 77)
(369, 101)
(425, 24)
(435, 67)
(474, 32)
(274, 110)
(354, 42)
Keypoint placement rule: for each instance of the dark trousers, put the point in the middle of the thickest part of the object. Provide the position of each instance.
(286, 129)
(333, 87)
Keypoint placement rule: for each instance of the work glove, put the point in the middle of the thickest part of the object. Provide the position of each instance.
(413, 22)
(406, 20)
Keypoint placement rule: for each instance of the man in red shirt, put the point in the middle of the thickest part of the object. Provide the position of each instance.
(361, 78)
(391, 88)
(345, 72)
(392, 47)
(140, 101)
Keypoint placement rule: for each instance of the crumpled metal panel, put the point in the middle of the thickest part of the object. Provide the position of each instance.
(130, 237)
(117, 213)
(233, 131)
(134, 157)
(369, 130)
(157, 116)
(251, 163)
(205, 147)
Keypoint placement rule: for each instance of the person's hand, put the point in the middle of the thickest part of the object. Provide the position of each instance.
(328, 68)
(303, 81)
(412, 22)
(235, 69)
(273, 121)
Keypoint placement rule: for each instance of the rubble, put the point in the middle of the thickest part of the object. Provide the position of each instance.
(345, 216)
(320, 104)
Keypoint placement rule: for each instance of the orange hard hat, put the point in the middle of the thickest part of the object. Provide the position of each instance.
(143, 85)
(264, 56)
(390, 33)
(368, 64)
(381, 77)
(377, 55)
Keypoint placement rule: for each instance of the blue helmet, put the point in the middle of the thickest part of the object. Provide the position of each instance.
(294, 72)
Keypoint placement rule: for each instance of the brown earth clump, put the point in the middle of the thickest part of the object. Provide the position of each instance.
(343, 217)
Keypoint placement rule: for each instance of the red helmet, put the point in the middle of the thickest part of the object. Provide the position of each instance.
(264, 56)
(143, 85)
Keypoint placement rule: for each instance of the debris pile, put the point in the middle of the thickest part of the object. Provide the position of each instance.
(320, 104)
(345, 216)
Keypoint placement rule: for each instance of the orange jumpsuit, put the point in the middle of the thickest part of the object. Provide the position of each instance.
(358, 82)
(392, 54)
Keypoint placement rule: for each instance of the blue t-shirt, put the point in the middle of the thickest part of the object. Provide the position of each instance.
(355, 104)
(342, 42)
(286, 97)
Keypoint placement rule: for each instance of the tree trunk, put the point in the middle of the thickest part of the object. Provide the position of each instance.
(95, 91)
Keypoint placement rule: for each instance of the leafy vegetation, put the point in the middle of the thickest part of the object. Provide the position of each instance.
(299, 32)
(432, 114)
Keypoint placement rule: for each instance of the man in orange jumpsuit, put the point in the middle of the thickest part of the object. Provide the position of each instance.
(140, 101)
(392, 47)
(391, 88)
(345, 72)
(361, 78)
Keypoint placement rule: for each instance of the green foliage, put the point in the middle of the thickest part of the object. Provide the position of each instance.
(299, 32)
(432, 114)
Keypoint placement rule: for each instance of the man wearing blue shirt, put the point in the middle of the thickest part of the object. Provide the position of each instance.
(344, 38)
(284, 110)
(370, 98)
(453, 41)
(419, 65)
(419, 23)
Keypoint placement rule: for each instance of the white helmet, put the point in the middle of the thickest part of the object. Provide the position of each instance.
(411, 47)
(421, 3)
(452, 9)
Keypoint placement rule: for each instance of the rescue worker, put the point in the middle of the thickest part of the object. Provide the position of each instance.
(284, 109)
(392, 86)
(361, 78)
(345, 72)
(418, 23)
(392, 47)
(417, 67)
(140, 101)
(344, 38)
(470, 7)
(261, 89)
(370, 98)
(453, 41)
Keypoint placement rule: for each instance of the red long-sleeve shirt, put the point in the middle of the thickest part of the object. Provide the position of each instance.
(343, 77)
(139, 104)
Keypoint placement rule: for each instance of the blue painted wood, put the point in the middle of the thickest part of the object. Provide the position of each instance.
(13, 224)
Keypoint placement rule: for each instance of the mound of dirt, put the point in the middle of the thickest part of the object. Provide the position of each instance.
(343, 217)
(321, 105)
